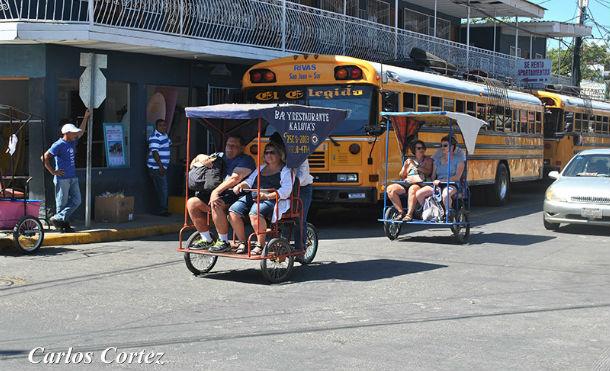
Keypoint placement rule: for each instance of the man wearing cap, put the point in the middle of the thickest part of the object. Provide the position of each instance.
(67, 191)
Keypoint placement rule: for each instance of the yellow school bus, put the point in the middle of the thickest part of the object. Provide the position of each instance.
(349, 166)
(572, 124)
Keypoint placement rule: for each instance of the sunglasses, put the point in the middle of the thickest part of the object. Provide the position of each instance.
(270, 153)
(419, 148)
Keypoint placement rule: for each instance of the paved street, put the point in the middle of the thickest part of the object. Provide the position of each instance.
(516, 297)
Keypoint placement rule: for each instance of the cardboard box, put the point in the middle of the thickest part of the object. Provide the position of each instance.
(114, 209)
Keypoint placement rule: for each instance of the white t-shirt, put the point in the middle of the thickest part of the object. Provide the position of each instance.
(305, 177)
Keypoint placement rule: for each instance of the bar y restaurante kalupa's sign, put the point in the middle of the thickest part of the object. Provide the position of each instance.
(303, 129)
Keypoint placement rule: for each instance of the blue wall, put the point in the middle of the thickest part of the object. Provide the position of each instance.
(55, 62)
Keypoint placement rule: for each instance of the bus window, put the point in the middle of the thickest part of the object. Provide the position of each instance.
(578, 123)
(460, 106)
(448, 105)
(531, 122)
(552, 122)
(482, 111)
(423, 103)
(523, 120)
(538, 122)
(408, 102)
(598, 124)
(471, 108)
(437, 104)
(605, 126)
(507, 119)
(569, 122)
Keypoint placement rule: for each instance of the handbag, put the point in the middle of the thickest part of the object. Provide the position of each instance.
(432, 209)
(203, 178)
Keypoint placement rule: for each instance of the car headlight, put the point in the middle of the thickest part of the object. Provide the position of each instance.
(347, 177)
(553, 195)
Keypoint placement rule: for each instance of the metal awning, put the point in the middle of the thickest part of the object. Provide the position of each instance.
(484, 8)
(547, 28)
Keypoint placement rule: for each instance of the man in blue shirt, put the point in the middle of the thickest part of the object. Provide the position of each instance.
(157, 163)
(67, 191)
(238, 166)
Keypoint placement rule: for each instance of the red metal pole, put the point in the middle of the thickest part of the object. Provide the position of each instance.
(186, 175)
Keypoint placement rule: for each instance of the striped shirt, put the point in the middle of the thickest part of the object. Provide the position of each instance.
(158, 143)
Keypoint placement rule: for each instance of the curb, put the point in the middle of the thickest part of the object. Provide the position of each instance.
(102, 235)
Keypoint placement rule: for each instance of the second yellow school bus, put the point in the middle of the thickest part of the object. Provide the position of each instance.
(572, 124)
(349, 166)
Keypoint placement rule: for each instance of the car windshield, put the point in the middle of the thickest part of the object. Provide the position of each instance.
(357, 99)
(594, 165)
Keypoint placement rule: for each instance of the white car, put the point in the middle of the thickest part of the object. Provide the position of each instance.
(581, 193)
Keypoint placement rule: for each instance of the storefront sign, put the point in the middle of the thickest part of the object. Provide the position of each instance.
(533, 72)
(303, 129)
(115, 145)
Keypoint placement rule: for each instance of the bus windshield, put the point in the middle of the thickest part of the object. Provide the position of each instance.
(357, 99)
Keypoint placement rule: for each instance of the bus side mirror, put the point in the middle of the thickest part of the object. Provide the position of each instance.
(554, 174)
(375, 130)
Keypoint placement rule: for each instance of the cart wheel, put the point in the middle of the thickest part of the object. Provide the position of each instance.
(277, 266)
(392, 230)
(198, 263)
(461, 232)
(312, 246)
(28, 234)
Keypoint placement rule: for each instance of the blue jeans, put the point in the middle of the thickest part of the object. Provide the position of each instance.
(306, 195)
(67, 198)
(246, 204)
(160, 185)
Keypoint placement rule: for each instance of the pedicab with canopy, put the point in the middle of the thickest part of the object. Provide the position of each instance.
(302, 129)
(18, 213)
(406, 126)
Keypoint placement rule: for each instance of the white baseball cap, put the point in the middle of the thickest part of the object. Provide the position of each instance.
(69, 128)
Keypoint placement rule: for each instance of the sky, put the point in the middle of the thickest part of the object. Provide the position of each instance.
(566, 10)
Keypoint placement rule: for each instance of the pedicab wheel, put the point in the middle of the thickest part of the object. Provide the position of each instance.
(311, 248)
(392, 230)
(277, 266)
(198, 263)
(28, 234)
(461, 232)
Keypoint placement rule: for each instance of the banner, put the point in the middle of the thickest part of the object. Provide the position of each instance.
(114, 141)
(533, 73)
(303, 129)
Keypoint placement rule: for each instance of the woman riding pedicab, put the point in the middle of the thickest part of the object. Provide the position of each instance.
(414, 172)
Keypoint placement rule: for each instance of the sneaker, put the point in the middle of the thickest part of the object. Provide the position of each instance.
(68, 229)
(201, 245)
(220, 246)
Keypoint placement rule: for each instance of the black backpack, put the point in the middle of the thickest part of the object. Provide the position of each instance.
(205, 178)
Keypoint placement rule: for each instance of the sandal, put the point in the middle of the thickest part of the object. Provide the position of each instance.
(400, 215)
(241, 248)
(407, 218)
(256, 249)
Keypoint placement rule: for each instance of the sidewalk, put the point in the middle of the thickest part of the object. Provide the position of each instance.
(142, 226)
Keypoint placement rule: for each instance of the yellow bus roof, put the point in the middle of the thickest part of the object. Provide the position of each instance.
(565, 101)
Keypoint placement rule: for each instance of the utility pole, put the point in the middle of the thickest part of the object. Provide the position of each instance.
(582, 15)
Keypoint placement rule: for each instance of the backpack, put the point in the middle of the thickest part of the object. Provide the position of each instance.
(205, 178)
(433, 209)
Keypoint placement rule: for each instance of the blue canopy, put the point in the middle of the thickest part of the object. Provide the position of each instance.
(302, 128)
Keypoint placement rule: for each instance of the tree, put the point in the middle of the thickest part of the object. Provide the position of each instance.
(592, 54)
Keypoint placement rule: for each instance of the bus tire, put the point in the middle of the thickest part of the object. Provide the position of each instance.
(499, 192)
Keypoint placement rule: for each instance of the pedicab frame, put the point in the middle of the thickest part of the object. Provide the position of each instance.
(469, 128)
(277, 249)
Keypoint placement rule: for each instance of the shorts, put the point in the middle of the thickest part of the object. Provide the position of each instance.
(246, 205)
(228, 196)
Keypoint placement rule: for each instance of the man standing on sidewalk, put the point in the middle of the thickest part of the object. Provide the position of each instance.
(67, 191)
(158, 161)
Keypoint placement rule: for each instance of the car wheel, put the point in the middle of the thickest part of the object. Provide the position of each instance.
(550, 226)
